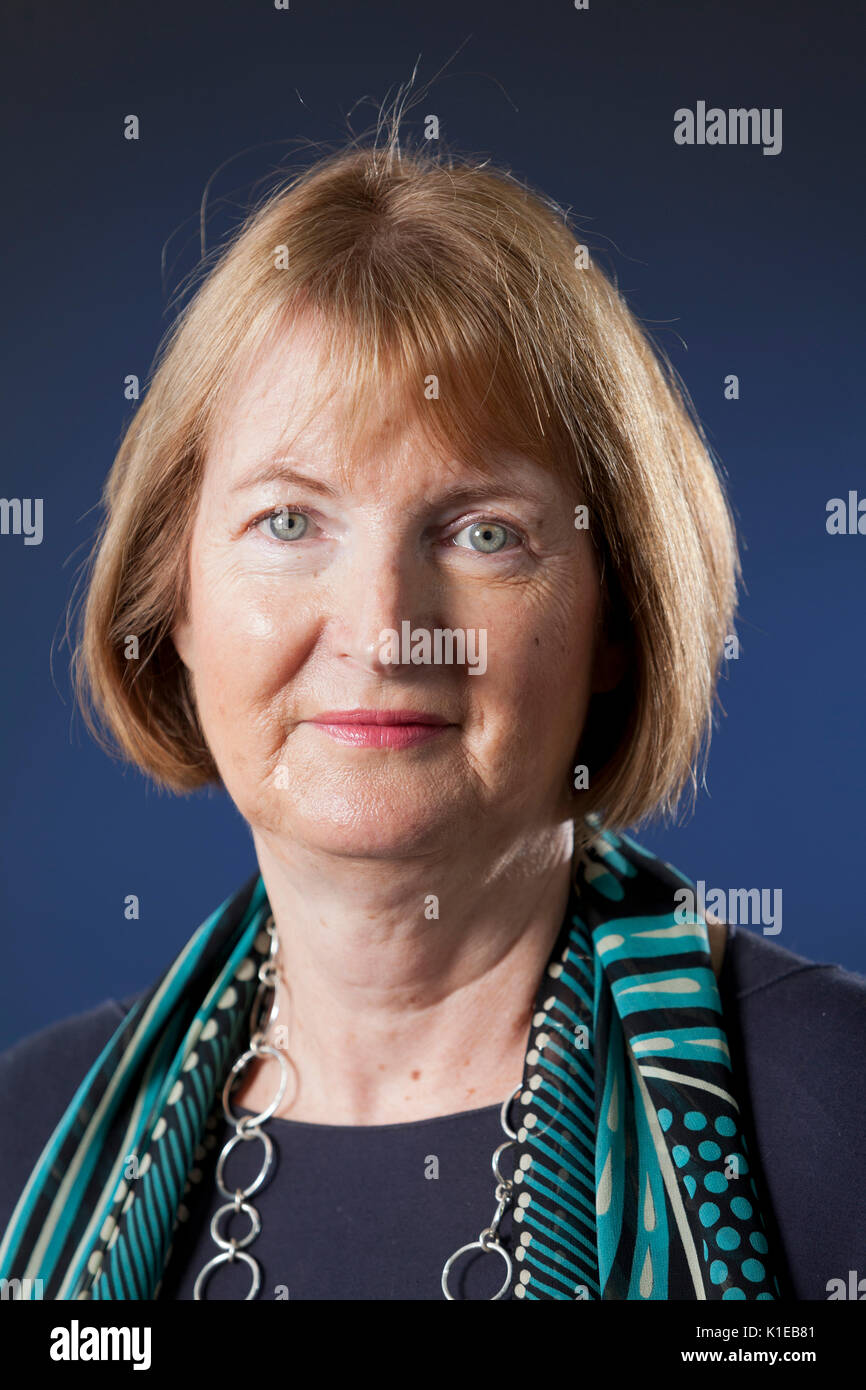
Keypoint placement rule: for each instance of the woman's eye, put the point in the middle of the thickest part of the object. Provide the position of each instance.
(283, 524)
(487, 537)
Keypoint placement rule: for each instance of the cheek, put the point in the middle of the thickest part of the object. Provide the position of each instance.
(248, 643)
(545, 649)
(547, 696)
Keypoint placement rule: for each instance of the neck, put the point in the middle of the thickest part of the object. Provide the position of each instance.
(407, 987)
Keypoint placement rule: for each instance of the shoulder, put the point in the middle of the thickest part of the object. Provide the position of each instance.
(784, 989)
(64, 1044)
(42, 1072)
(797, 1032)
(38, 1078)
(799, 1026)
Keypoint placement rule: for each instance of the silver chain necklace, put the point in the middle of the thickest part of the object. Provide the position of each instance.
(249, 1127)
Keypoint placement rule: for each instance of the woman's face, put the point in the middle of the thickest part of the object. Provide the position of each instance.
(288, 620)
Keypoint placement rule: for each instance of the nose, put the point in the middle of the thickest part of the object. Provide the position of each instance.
(385, 584)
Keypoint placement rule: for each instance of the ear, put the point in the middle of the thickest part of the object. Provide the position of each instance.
(181, 636)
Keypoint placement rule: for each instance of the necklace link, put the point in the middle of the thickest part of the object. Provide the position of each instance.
(249, 1127)
(246, 1129)
(487, 1240)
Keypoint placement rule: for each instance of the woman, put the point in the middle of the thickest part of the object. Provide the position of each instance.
(414, 547)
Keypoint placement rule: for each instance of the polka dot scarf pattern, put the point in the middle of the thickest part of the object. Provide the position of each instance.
(633, 1174)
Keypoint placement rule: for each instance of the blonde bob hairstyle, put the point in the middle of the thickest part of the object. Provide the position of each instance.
(420, 266)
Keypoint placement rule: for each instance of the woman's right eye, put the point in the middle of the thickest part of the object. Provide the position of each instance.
(284, 524)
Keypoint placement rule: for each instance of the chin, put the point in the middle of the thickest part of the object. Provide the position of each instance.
(371, 829)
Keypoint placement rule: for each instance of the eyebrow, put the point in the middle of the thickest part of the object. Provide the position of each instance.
(275, 471)
(281, 471)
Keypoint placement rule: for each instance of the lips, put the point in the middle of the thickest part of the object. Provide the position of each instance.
(372, 728)
(377, 717)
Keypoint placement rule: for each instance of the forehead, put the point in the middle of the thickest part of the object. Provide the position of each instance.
(300, 397)
(295, 390)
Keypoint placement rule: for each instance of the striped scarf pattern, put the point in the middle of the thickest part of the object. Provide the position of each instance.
(635, 1178)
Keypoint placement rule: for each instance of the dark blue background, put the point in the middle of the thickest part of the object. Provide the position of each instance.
(738, 262)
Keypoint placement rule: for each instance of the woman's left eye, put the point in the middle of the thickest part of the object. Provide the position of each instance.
(488, 537)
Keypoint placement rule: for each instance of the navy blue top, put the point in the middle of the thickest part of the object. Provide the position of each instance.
(374, 1211)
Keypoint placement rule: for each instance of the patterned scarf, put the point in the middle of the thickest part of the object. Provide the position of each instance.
(632, 1174)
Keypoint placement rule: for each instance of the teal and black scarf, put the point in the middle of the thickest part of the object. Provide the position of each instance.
(633, 1177)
